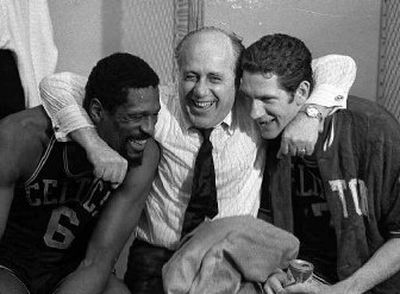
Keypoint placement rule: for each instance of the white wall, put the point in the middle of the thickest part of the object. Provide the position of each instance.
(87, 30)
(78, 33)
(348, 27)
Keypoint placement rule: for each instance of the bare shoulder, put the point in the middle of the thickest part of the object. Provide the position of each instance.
(28, 126)
(152, 151)
(23, 136)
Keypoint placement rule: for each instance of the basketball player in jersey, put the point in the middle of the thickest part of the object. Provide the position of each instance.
(61, 228)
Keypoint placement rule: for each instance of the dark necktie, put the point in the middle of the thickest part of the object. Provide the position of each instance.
(203, 200)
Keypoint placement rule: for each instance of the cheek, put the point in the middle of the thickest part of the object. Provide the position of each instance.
(224, 93)
(127, 129)
(186, 87)
(287, 114)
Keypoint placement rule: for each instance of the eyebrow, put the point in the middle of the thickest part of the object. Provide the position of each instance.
(215, 74)
(265, 97)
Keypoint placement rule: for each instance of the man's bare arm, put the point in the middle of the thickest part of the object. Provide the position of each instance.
(381, 266)
(6, 196)
(12, 151)
(116, 223)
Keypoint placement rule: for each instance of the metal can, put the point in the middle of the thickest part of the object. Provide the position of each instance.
(299, 271)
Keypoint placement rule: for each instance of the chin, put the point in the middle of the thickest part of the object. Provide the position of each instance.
(135, 159)
(268, 135)
(205, 121)
(201, 123)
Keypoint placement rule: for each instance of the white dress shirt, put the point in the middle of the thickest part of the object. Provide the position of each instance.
(238, 163)
(238, 158)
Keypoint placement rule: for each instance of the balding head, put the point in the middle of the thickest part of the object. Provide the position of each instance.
(228, 41)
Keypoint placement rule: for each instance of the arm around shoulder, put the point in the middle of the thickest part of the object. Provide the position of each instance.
(333, 77)
(62, 95)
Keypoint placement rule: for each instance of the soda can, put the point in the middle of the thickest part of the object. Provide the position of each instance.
(299, 271)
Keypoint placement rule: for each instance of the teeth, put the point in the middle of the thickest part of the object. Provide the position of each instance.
(267, 121)
(139, 142)
(203, 104)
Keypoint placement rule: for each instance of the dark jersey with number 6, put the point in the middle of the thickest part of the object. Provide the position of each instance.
(52, 217)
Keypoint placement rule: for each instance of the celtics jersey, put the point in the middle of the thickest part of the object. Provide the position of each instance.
(53, 214)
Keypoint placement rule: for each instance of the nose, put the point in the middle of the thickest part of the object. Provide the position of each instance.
(147, 125)
(201, 88)
(257, 109)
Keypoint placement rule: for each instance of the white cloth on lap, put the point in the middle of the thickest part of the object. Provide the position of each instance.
(225, 255)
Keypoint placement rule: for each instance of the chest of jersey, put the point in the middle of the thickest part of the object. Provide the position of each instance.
(59, 203)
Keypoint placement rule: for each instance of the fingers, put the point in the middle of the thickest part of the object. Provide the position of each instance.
(300, 288)
(303, 150)
(115, 171)
(275, 283)
(108, 164)
(284, 149)
(122, 171)
(309, 149)
(299, 137)
(294, 148)
(311, 286)
(289, 148)
(110, 168)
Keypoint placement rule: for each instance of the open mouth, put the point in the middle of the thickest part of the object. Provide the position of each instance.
(136, 144)
(203, 105)
(266, 122)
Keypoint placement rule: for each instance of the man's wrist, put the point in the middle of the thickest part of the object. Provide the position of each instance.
(87, 137)
(323, 110)
(350, 285)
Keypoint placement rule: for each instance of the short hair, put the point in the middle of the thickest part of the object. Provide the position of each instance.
(111, 78)
(236, 41)
(280, 54)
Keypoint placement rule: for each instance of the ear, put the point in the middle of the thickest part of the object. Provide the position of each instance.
(302, 93)
(96, 110)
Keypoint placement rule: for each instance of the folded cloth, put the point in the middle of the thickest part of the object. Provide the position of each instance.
(225, 255)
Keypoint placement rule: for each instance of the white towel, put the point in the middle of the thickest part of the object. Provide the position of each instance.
(25, 28)
(228, 255)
